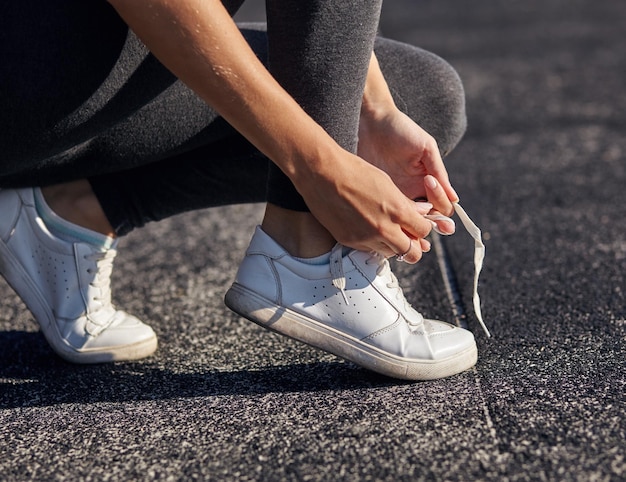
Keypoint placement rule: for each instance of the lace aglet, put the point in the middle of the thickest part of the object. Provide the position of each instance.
(345, 297)
(485, 329)
(336, 270)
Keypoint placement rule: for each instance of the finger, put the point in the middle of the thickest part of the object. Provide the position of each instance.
(415, 251)
(423, 207)
(435, 166)
(414, 225)
(442, 178)
(412, 254)
(411, 244)
(444, 224)
(408, 242)
(437, 196)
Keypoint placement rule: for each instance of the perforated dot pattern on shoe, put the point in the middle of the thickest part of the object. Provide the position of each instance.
(333, 303)
(52, 269)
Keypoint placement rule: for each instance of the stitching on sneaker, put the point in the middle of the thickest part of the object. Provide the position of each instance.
(386, 329)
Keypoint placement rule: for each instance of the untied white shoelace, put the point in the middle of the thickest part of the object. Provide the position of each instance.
(479, 256)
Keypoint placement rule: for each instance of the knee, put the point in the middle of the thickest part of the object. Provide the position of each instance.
(427, 88)
(448, 107)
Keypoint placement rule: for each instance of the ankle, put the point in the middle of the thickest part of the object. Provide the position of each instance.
(298, 232)
(76, 202)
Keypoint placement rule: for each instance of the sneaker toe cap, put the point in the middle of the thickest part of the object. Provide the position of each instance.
(447, 340)
(432, 341)
(124, 330)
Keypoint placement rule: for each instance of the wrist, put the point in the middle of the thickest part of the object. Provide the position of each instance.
(315, 162)
(376, 105)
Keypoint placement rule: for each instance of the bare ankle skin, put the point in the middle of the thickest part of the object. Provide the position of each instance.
(299, 233)
(75, 202)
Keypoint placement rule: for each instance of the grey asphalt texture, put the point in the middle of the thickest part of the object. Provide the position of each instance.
(541, 170)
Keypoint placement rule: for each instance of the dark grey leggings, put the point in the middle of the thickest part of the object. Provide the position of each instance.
(81, 97)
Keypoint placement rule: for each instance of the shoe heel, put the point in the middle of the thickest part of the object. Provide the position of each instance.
(251, 307)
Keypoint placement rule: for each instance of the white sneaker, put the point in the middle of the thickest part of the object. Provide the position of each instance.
(352, 307)
(66, 287)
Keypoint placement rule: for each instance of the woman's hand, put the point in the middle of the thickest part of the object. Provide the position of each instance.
(409, 155)
(392, 141)
(405, 151)
(363, 208)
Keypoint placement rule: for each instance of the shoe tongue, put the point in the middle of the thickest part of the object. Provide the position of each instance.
(108, 244)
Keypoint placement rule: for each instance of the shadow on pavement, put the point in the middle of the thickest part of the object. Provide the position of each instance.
(45, 380)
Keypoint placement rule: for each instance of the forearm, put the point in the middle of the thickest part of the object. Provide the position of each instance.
(198, 41)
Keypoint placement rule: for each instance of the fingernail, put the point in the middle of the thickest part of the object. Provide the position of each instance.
(450, 227)
(431, 182)
(423, 207)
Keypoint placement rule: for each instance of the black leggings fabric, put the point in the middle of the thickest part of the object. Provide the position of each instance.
(81, 97)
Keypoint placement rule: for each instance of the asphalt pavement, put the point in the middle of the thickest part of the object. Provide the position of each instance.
(542, 170)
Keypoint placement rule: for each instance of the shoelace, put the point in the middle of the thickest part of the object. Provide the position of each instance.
(339, 279)
(383, 270)
(102, 278)
(479, 256)
(336, 270)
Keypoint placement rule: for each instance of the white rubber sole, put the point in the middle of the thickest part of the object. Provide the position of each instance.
(294, 325)
(12, 271)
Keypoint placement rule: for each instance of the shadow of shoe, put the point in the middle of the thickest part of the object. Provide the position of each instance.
(31, 375)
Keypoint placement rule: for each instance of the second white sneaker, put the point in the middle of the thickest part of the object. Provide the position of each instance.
(66, 287)
(352, 307)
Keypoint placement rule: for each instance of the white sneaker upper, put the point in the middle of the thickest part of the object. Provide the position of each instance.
(352, 307)
(67, 287)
